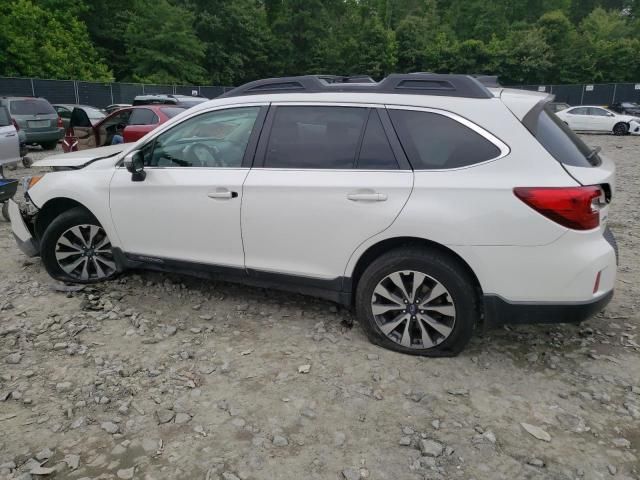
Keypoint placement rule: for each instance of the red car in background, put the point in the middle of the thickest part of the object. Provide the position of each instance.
(132, 123)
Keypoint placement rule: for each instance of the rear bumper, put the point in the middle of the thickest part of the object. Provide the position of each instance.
(44, 136)
(499, 311)
(21, 232)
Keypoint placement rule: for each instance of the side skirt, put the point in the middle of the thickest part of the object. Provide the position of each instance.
(332, 290)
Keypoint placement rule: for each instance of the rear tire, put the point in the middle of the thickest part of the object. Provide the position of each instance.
(27, 162)
(75, 248)
(49, 145)
(620, 129)
(5, 211)
(432, 301)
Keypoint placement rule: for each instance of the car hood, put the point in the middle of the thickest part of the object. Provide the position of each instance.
(80, 158)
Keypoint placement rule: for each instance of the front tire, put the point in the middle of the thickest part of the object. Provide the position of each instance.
(620, 129)
(417, 301)
(75, 248)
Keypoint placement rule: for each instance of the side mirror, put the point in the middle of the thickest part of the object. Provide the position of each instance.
(134, 163)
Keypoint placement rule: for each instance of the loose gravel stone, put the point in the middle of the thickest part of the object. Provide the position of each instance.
(431, 448)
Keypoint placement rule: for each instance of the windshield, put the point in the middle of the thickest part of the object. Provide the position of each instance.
(558, 139)
(31, 106)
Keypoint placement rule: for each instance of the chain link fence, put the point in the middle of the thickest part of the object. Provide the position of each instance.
(590, 94)
(102, 94)
(97, 94)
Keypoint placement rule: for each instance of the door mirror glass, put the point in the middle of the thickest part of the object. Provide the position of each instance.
(134, 163)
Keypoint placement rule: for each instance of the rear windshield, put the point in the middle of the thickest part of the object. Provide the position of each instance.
(559, 140)
(31, 106)
(172, 111)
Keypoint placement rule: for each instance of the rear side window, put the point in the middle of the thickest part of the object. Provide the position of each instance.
(435, 142)
(315, 137)
(559, 140)
(5, 120)
(143, 116)
(31, 106)
(376, 153)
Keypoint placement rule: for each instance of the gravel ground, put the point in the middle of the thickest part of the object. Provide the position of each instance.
(158, 376)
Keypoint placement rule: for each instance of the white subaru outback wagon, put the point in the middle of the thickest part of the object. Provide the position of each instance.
(427, 202)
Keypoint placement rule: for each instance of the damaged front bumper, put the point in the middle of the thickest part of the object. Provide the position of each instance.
(23, 234)
(634, 127)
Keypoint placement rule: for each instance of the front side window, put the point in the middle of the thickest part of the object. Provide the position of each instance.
(434, 142)
(5, 119)
(143, 116)
(212, 140)
(318, 137)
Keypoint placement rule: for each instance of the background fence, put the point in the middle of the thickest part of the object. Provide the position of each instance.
(96, 94)
(590, 94)
(103, 94)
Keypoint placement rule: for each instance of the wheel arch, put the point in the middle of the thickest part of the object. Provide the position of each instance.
(52, 209)
(384, 246)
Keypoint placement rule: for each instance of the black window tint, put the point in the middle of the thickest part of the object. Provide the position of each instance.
(315, 137)
(143, 116)
(376, 153)
(432, 141)
(5, 120)
(560, 141)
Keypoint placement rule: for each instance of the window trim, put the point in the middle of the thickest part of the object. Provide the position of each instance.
(490, 137)
(260, 155)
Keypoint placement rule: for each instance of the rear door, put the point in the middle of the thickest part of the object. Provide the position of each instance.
(325, 179)
(9, 142)
(141, 122)
(577, 118)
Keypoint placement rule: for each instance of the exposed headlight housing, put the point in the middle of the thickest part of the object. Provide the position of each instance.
(29, 182)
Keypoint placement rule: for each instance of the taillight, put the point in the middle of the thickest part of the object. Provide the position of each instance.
(60, 123)
(15, 124)
(572, 207)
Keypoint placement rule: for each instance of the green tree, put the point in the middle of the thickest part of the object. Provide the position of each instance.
(39, 42)
(161, 45)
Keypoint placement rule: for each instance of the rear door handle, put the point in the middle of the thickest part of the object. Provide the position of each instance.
(367, 197)
(222, 194)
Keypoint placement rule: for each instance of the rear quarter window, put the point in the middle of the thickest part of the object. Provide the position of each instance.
(558, 139)
(435, 142)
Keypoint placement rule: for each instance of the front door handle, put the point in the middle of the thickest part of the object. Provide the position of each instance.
(367, 197)
(222, 194)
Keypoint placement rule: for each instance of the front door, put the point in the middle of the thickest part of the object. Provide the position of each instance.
(188, 207)
(82, 135)
(326, 178)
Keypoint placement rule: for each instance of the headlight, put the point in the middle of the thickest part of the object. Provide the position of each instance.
(29, 182)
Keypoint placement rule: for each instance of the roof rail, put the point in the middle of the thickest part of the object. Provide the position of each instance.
(412, 83)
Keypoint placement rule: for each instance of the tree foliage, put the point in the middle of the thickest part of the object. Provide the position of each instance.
(233, 41)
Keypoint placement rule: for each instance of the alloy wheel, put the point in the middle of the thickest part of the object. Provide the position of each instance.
(83, 252)
(413, 309)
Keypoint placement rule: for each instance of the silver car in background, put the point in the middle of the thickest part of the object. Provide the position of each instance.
(37, 119)
(9, 140)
